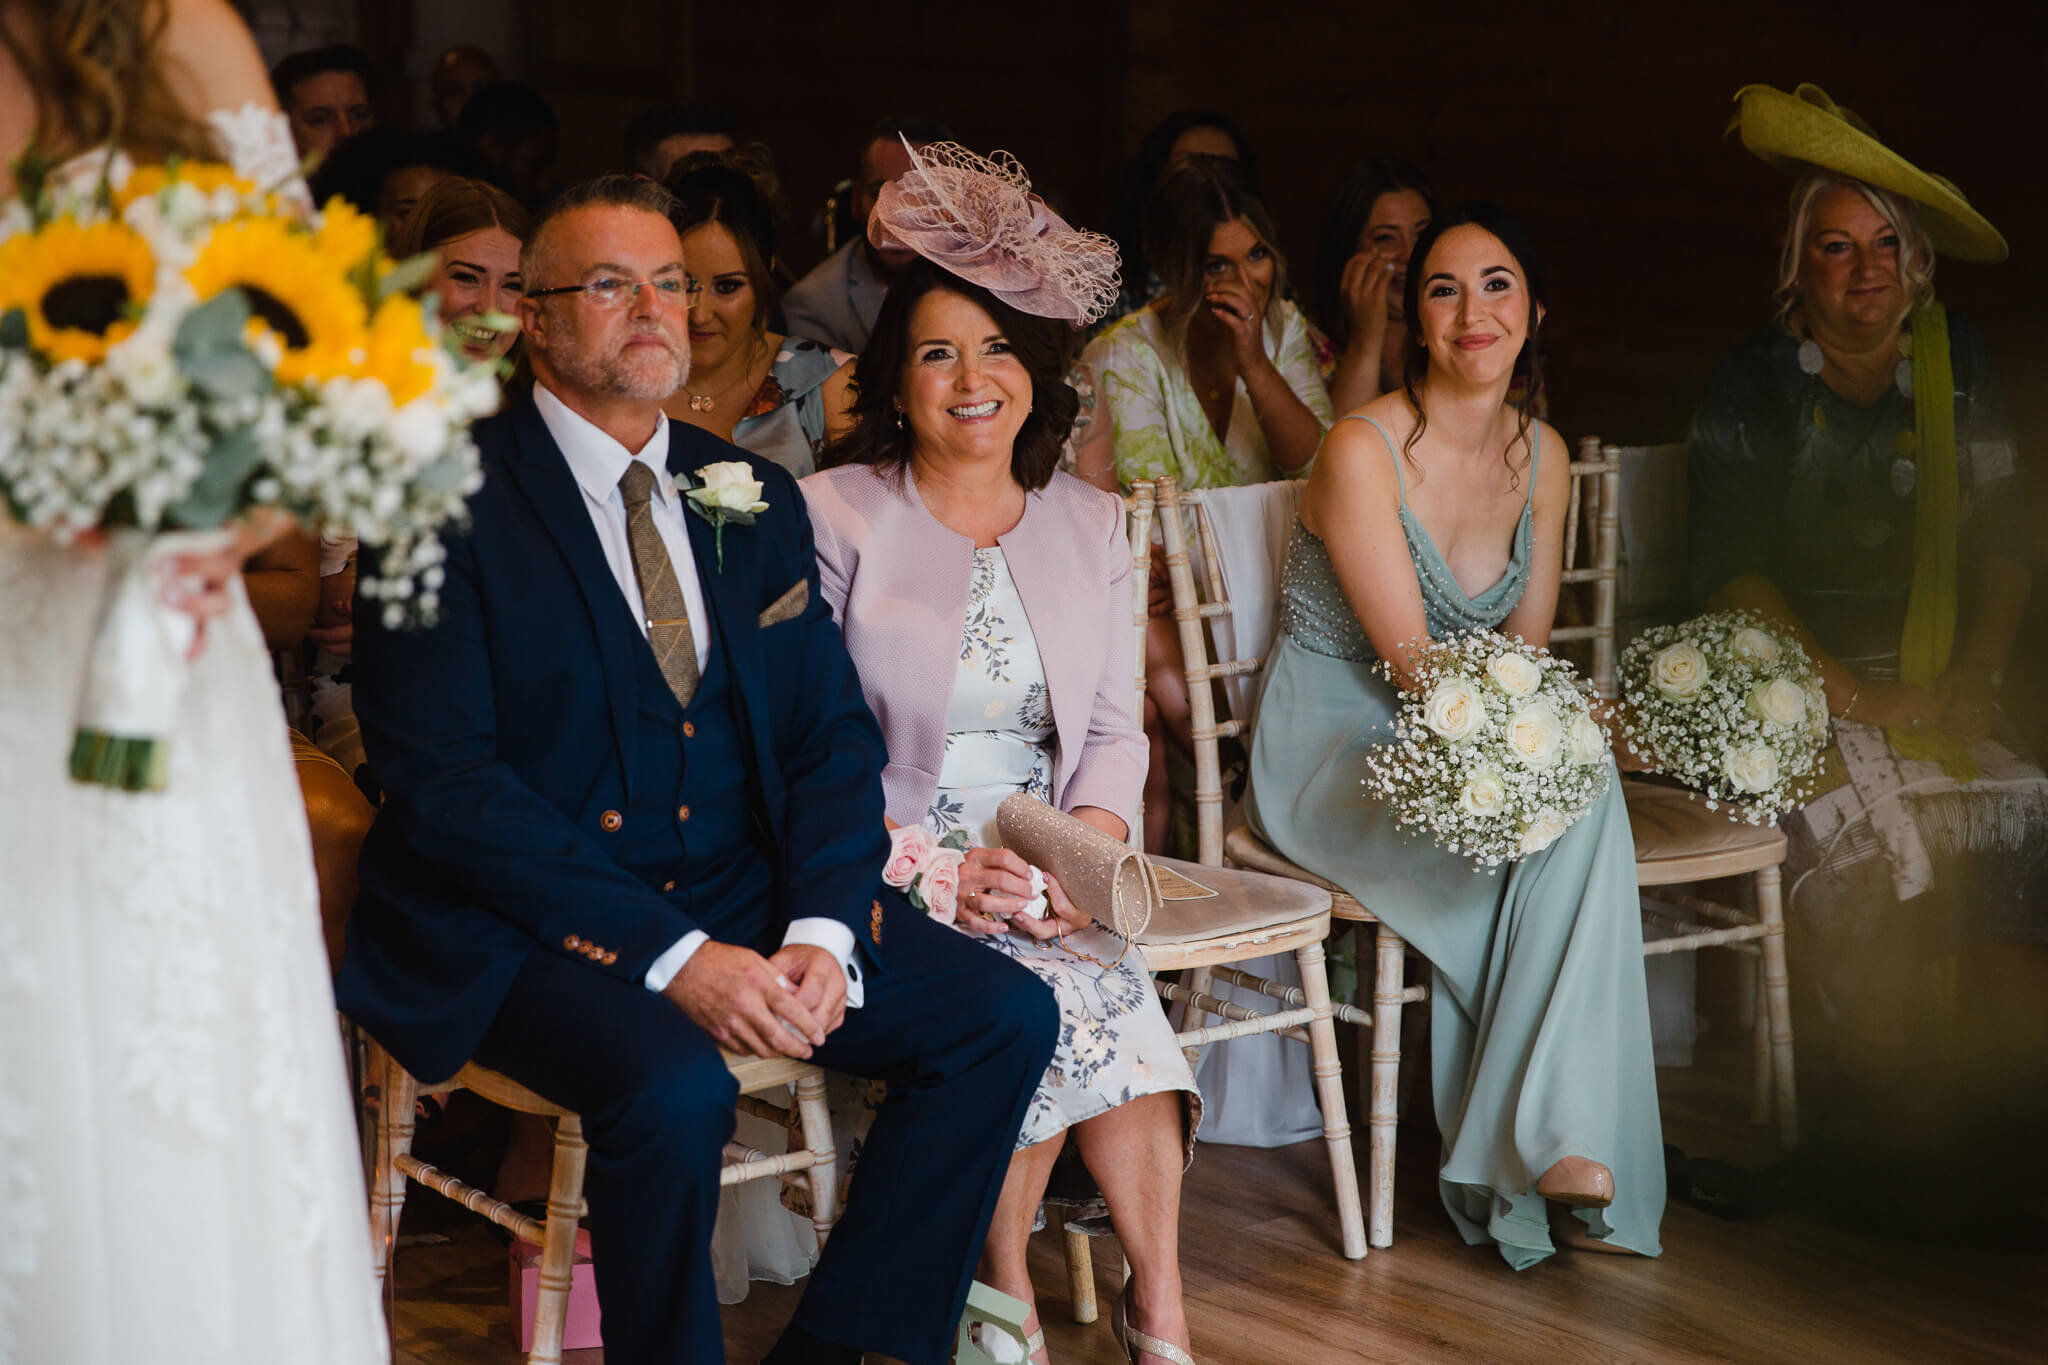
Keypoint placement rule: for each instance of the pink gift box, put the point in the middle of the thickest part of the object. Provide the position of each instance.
(580, 1324)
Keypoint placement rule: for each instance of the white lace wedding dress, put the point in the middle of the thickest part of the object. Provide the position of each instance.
(179, 1179)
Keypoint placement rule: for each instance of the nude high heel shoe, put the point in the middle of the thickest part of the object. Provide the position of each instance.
(1578, 1181)
(1133, 1341)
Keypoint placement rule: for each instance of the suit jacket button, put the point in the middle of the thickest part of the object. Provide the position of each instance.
(682, 812)
(668, 886)
(689, 730)
(610, 821)
(572, 943)
(610, 958)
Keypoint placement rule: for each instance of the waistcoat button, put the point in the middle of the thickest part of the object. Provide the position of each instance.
(682, 812)
(689, 730)
(610, 821)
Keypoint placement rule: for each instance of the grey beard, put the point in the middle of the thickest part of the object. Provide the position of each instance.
(614, 375)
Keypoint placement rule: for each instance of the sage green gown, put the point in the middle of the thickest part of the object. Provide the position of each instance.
(1540, 1020)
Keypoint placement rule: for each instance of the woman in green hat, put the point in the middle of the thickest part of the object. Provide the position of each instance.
(1852, 475)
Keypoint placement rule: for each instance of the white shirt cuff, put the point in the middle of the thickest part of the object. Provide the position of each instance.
(836, 939)
(669, 963)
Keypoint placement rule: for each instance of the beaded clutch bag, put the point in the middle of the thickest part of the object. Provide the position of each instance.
(1115, 883)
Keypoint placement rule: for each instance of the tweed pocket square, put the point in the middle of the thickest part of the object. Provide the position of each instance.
(789, 606)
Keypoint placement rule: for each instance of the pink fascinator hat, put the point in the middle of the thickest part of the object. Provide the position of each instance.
(977, 217)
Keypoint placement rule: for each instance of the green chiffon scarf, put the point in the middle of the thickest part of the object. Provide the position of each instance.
(1931, 604)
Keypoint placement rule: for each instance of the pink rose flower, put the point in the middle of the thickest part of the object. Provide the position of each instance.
(940, 885)
(910, 851)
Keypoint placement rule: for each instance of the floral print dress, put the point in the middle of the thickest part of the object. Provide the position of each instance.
(1115, 1043)
(1137, 384)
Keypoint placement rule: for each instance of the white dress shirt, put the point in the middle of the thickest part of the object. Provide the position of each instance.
(598, 463)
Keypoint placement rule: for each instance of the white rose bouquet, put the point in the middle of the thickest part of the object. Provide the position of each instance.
(179, 345)
(1495, 752)
(1730, 705)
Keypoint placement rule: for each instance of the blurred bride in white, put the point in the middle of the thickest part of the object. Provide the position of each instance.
(178, 1170)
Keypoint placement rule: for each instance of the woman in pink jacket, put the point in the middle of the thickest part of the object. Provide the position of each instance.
(985, 599)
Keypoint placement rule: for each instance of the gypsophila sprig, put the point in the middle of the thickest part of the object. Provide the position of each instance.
(1729, 704)
(180, 344)
(1495, 751)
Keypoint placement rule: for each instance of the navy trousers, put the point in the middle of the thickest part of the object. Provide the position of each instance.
(961, 1035)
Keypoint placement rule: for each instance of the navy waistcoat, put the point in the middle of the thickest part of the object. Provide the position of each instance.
(689, 830)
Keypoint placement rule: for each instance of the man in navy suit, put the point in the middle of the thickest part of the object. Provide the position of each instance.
(633, 814)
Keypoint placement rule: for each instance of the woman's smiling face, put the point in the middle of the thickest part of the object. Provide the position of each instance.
(479, 274)
(963, 392)
(1473, 306)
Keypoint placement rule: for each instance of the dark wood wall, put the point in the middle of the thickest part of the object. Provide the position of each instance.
(1601, 125)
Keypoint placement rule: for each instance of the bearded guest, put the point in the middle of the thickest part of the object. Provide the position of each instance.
(1853, 476)
(659, 833)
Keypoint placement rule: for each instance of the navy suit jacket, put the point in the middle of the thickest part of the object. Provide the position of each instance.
(501, 738)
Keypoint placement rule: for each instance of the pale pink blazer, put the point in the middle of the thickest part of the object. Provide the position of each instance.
(897, 581)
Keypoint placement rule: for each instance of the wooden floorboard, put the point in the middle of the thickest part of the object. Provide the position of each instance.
(1266, 1285)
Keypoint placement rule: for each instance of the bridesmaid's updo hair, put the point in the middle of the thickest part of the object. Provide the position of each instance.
(1527, 385)
(1043, 345)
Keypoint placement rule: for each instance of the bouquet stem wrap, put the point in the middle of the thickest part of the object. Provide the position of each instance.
(137, 672)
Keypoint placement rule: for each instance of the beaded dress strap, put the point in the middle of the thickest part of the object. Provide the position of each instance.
(1388, 441)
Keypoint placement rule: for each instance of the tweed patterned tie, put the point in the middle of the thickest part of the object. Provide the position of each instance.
(668, 620)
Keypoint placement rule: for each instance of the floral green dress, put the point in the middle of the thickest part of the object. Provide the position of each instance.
(1158, 425)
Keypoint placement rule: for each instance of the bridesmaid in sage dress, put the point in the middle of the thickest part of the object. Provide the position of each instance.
(1544, 1082)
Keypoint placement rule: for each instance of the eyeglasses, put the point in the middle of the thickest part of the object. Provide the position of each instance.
(610, 292)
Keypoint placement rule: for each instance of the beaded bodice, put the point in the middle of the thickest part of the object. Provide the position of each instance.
(1316, 615)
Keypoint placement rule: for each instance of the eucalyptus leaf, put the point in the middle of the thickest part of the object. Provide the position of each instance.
(444, 475)
(209, 348)
(408, 275)
(217, 494)
(14, 329)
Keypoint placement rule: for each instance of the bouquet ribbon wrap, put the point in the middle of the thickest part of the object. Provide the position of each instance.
(136, 675)
(1113, 882)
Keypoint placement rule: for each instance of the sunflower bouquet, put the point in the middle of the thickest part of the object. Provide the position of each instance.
(1495, 751)
(179, 345)
(1729, 704)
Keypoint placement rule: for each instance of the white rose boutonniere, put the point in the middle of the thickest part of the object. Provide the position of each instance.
(724, 492)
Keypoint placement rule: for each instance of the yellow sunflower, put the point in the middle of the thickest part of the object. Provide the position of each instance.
(346, 236)
(296, 293)
(204, 176)
(399, 350)
(79, 285)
